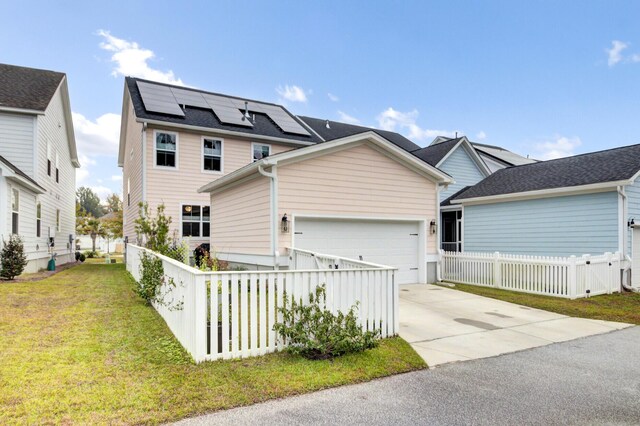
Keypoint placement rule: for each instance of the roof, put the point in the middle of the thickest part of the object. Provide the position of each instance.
(204, 117)
(615, 166)
(21, 174)
(447, 201)
(503, 155)
(304, 152)
(433, 154)
(27, 88)
(339, 130)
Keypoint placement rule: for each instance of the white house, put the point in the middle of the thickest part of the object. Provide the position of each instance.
(38, 159)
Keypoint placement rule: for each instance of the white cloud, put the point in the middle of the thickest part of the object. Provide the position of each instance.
(102, 191)
(100, 137)
(292, 93)
(405, 122)
(558, 147)
(635, 57)
(81, 174)
(615, 53)
(116, 178)
(333, 97)
(346, 118)
(131, 59)
(481, 135)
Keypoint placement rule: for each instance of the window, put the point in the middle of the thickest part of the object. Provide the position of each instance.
(48, 159)
(58, 220)
(196, 221)
(212, 155)
(128, 191)
(166, 149)
(57, 168)
(260, 151)
(38, 218)
(15, 210)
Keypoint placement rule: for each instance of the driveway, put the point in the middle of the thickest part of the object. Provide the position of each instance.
(595, 380)
(445, 325)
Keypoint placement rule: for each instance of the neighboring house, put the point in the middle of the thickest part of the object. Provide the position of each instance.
(38, 159)
(359, 196)
(497, 158)
(174, 140)
(585, 204)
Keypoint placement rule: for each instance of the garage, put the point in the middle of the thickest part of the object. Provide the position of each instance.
(389, 242)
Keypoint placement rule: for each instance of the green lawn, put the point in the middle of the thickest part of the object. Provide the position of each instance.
(621, 307)
(80, 347)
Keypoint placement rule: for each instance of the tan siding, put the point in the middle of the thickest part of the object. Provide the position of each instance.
(241, 218)
(175, 187)
(358, 181)
(132, 170)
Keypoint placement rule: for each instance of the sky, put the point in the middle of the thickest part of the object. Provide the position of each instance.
(546, 78)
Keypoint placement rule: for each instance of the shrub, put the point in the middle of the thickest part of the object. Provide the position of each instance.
(315, 332)
(13, 259)
(152, 279)
(90, 254)
(83, 257)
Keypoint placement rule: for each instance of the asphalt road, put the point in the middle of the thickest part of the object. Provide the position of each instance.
(594, 380)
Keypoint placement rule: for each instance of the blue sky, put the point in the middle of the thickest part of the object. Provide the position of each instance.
(541, 78)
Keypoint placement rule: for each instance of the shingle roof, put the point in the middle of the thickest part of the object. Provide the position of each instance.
(201, 117)
(19, 172)
(502, 155)
(339, 130)
(27, 88)
(433, 154)
(612, 165)
(447, 201)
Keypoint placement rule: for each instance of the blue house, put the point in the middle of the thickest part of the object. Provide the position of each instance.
(585, 204)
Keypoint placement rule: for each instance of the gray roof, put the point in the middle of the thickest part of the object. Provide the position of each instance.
(204, 117)
(339, 130)
(502, 155)
(433, 154)
(19, 172)
(612, 165)
(27, 88)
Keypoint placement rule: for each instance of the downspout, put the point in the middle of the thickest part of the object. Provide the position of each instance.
(273, 175)
(625, 254)
(438, 230)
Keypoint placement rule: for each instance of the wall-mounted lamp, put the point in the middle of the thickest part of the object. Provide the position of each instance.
(631, 223)
(433, 227)
(284, 224)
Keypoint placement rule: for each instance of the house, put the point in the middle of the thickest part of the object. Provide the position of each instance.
(38, 159)
(175, 140)
(585, 204)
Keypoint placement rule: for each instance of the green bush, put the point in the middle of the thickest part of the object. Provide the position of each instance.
(13, 259)
(315, 332)
(90, 254)
(83, 258)
(152, 279)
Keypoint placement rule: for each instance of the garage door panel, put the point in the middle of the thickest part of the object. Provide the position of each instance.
(392, 243)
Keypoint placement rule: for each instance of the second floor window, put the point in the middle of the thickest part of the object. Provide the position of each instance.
(212, 155)
(260, 151)
(48, 159)
(166, 149)
(57, 168)
(15, 211)
(38, 219)
(58, 220)
(195, 221)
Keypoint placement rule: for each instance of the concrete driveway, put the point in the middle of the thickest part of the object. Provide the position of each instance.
(445, 325)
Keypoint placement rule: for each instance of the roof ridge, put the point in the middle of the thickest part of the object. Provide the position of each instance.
(34, 69)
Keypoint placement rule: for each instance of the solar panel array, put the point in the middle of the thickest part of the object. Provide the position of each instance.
(167, 100)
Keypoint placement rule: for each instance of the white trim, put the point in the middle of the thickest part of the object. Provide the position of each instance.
(622, 221)
(471, 152)
(177, 135)
(253, 259)
(212, 172)
(68, 121)
(201, 237)
(214, 132)
(253, 144)
(11, 175)
(36, 151)
(143, 182)
(124, 124)
(543, 193)
(17, 211)
(21, 110)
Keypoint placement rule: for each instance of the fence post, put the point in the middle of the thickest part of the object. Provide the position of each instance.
(497, 278)
(439, 266)
(200, 318)
(573, 277)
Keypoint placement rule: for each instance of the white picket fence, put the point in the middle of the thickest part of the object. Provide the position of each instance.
(305, 259)
(570, 277)
(227, 315)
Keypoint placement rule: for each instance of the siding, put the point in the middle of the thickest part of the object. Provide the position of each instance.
(357, 181)
(556, 226)
(16, 140)
(131, 171)
(174, 187)
(463, 170)
(633, 211)
(240, 218)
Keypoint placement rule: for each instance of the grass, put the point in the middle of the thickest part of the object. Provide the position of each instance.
(621, 307)
(81, 347)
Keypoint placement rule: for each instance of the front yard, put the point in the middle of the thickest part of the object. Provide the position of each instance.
(620, 307)
(80, 347)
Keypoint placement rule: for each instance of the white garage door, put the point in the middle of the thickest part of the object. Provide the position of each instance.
(385, 242)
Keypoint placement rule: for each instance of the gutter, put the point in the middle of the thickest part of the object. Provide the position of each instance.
(273, 176)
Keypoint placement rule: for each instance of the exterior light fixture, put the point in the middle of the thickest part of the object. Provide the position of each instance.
(284, 224)
(631, 223)
(433, 227)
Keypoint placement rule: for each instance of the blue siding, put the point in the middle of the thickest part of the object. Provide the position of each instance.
(556, 226)
(463, 169)
(633, 210)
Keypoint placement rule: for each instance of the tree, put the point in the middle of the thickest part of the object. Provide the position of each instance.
(114, 203)
(89, 201)
(13, 259)
(153, 232)
(112, 226)
(93, 227)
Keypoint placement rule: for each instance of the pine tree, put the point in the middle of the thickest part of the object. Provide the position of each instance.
(12, 258)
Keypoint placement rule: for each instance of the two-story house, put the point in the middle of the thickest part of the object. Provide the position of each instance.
(38, 160)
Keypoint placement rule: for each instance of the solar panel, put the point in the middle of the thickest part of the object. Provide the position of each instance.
(226, 110)
(284, 120)
(189, 97)
(158, 98)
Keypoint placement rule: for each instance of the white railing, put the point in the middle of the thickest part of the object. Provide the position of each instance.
(231, 314)
(571, 277)
(305, 259)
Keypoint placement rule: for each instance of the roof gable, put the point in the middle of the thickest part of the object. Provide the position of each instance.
(27, 88)
(437, 153)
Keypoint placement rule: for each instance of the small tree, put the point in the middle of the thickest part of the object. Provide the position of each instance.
(112, 226)
(153, 231)
(13, 258)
